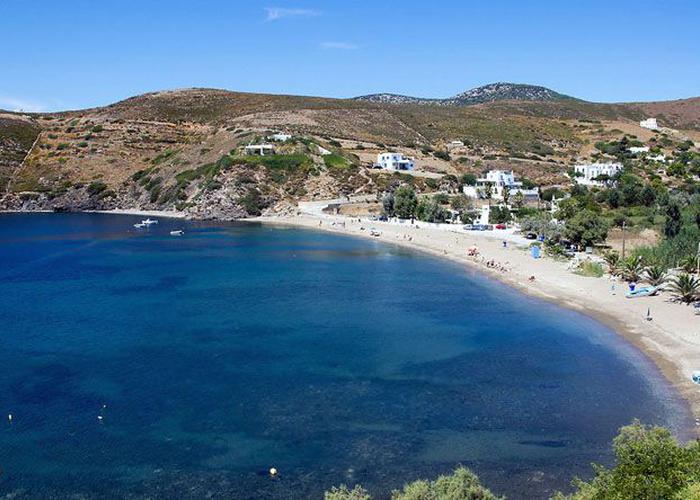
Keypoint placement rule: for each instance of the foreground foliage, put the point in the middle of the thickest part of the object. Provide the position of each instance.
(462, 484)
(650, 465)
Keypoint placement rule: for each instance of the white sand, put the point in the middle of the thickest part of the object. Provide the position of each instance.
(671, 339)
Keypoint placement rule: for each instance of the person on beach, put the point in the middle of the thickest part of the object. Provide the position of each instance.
(531, 279)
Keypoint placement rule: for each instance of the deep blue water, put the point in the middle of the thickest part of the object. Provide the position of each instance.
(239, 347)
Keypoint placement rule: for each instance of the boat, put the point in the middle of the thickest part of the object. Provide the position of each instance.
(149, 222)
(645, 291)
(177, 232)
(140, 225)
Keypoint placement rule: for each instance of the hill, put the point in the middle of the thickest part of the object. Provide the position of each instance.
(183, 148)
(500, 91)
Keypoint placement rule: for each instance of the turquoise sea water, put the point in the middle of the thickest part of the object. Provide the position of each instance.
(213, 356)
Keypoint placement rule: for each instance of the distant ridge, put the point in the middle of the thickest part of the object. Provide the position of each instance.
(500, 91)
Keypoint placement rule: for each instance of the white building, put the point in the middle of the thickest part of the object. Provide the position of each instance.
(455, 144)
(280, 137)
(498, 181)
(649, 123)
(394, 161)
(259, 149)
(639, 149)
(323, 151)
(661, 158)
(589, 173)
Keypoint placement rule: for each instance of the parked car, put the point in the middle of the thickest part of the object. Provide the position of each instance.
(468, 227)
(500, 226)
(383, 218)
(531, 236)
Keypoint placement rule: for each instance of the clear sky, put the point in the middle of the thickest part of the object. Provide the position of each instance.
(73, 54)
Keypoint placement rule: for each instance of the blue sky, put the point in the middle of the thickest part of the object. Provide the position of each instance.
(72, 54)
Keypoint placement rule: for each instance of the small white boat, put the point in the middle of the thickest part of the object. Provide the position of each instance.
(177, 232)
(149, 222)
(374, 232)
(645, 291)
(140, 225)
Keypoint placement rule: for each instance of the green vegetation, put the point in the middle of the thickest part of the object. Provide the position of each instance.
(164, 156)
(586, 228)
(590, 269)
(405, 202)
(335, 161)
(686, 288)
(650, 464)
(462, 484)
(96, 187)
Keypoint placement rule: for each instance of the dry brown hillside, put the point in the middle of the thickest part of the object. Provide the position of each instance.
(182, 148)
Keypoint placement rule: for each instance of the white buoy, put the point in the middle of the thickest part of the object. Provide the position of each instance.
(9, 417)
(99, 417)
(273, 471)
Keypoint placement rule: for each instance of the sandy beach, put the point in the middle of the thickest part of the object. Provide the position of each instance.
(671, 338)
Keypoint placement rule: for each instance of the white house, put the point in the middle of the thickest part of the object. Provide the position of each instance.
(649, 123)
(259, 149)
(498, 181)
(280, 137)
(455, 144)
(661, 158)
(589, 173)
(394, 161)
(639, 149)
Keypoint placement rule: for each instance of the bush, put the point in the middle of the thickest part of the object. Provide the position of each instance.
(96, 188)
(590, 269)
(443, 155)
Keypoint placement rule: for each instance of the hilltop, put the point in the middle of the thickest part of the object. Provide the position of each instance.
(500, 91)
(183, 148)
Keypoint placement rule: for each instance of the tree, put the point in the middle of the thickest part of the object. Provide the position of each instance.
(405, 202)
(632, 268)
(612, 259)
(647, 196)
(343, 493)
(463, 484)
(499, 215)
(650, 464)
(505, 193)
(518, 199)
(655, 275)
(686, 288)
(469, 179)
(673, 220)
(431, 211)
(488, 192)
(388, 204)
(586, 228)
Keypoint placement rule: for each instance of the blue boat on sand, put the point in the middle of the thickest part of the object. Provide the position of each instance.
(645, 291)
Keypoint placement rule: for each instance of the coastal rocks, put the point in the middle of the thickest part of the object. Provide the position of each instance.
(71, 200)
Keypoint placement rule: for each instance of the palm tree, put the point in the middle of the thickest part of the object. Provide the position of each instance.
(632, 268)
(655, 275)
(686, 288)
(688, 264)
(612, 259)
(505, 193)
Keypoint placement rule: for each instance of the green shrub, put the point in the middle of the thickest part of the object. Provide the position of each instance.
(590, 269)
(96, 187)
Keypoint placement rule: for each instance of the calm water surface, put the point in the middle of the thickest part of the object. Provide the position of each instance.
(213, 356)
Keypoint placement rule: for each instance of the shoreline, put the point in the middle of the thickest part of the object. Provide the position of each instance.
(660, 340)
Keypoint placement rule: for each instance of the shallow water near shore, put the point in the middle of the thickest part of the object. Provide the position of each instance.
(135, 363)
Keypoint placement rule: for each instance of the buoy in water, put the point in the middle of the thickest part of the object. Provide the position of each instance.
(9, 417)
(99, 417)
(273, 471)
